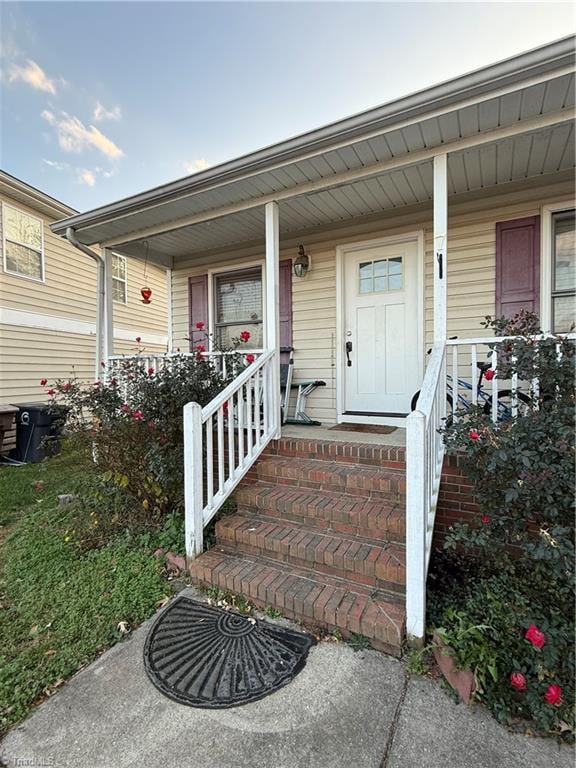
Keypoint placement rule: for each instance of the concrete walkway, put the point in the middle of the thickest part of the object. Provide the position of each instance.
(344, 710)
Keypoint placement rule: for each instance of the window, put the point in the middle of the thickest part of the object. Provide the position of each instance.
(238, 306)
(563, 271)
(381, 275)
(119, 278)
(23, 244)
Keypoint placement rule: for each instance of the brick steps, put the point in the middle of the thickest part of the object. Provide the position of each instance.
(325, 510)
(307, 598)
(371, 454)
(366, 481)
(356, 559)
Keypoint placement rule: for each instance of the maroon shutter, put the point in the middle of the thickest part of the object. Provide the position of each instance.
(517, 266)
(198, 309)
(285, 308)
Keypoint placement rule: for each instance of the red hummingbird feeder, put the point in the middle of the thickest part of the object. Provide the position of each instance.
(146, 293)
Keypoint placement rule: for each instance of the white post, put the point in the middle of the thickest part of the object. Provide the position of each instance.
(440, 244)
(416, 524)
(108, 306)
(273, 309)
(193, 491)
(99, 357)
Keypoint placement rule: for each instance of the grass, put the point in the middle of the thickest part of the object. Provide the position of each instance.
(61, 606)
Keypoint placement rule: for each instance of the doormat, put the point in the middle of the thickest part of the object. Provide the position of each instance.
(373, 429)
(208, 657)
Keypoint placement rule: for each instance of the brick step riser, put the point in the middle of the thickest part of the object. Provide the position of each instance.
(393, 489)
(324, 525)
(304, 609)
(365, 454)
(346, 576)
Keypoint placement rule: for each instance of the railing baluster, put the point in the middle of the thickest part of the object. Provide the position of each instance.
(231, 466)
(495, 384)
(474, 374)
(265, 402)
(209, 461)
(514, 388)
(240, 400)
(221, 478)
(249, 436)
(257, 392)
(455, 389)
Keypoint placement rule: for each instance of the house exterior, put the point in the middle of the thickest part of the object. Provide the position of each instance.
(48, 298)
(416, 220)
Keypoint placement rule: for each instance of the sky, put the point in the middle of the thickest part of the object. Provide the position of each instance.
(101, 100)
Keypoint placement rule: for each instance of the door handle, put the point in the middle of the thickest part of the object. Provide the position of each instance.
(348, 350)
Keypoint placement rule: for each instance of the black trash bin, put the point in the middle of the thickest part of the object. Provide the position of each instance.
(38, 428)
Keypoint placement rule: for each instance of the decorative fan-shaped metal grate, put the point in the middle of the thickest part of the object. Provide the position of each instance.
(207, 657)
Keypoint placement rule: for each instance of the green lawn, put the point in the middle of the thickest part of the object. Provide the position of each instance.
(59, 606)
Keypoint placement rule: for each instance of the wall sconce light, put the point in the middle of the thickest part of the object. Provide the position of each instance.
(302, 263)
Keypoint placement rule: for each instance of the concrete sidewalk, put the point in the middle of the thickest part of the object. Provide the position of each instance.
(344, 710)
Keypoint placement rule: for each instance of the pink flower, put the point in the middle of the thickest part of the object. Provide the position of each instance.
(200, 325)
(474, 434)
(245, 336)
(138, 339)
(138, 415)
(113, 382)
(43, 382)
(125, 408)
(51, 392)
(485, 519)
(67, 386)
(518, 681)
(151, 424)
(201, 348)
(535, 636)
(150, 371)
(489, 374)
(554, 694)
(250, 359)
(225, 409)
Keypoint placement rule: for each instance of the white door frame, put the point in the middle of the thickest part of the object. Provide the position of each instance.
(546, 271)
(341, 252)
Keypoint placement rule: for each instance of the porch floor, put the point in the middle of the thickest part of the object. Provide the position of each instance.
(299, 432)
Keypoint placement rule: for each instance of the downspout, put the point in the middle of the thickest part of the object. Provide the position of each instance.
(100, 297)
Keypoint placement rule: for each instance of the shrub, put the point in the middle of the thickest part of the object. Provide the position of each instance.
(518, 555)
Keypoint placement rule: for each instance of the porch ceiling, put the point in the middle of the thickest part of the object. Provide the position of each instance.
(487, 167)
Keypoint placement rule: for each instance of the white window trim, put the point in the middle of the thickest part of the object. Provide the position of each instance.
(119, 279)
(212, 274)
(24, 245)
(546, 260)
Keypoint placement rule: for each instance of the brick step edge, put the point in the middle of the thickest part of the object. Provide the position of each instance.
(308, 600)
(325, 511)
(351, 479)
(371, 454)
(363, 561)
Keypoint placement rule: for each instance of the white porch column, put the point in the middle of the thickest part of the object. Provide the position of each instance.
(440, 244)
(108, 335)
(273, 307)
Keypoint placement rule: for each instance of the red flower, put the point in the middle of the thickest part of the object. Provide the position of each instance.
(125, 408)
(51, 392)
(535, 636)
(250, 359)
(138, 339)
(201, 348)
(473, 435)
(554, 694)
(138, 415)
(151, 424)
(97, 384)
(245, 336)
(489, 374)
(225, 408)
(200, 325)
(485, 519)
(113, 382)
(67, 386)
(150, 371)
(518, 681)
(103, 364)
(43, 382)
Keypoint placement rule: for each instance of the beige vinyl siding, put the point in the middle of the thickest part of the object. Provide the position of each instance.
(471, 277)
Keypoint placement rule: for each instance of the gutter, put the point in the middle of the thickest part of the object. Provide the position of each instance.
(100, 296)
(538, 61)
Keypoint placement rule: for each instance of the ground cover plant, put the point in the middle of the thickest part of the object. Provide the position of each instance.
(502, 593)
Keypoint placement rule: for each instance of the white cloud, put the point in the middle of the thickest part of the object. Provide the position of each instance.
(197, 165)
(86, 176)
(101, 113)
(56, 165)
(74, 136)
(33, 75)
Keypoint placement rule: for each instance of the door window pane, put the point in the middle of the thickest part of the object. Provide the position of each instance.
(564, 271)
(381, 275)
(238, 307)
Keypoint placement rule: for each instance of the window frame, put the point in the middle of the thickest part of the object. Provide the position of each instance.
(7, 271)
(213, 275)
(120, 280)
(547, 258)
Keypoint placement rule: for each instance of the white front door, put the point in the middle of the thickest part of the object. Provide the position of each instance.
(381, 344)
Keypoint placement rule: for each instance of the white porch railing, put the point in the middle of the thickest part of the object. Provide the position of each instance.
(452, 382)
(223, 440)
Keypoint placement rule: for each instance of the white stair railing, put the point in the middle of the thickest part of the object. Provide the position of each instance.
(223, 440)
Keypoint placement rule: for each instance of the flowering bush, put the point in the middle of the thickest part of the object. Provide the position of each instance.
(520, 549)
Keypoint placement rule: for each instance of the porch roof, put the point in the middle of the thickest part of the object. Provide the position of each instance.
(507, 122)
